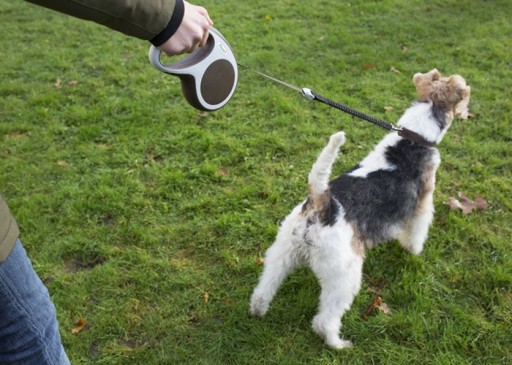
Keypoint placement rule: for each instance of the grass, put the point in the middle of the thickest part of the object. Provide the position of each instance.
(148, 218)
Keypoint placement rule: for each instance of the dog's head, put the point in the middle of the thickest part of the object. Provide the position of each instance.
(451, 94)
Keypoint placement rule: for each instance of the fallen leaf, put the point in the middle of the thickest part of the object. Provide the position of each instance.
(453, 203)
(481, 203)
(368, 66)
(466, 204)
(394, 69)
(79, 326)
(206, 297)
(388, 108)
(62, 163)
(377, 304)
(384, 308)
(17, 135)
(58, 84)
(260, 261)
(73, 83)
(222, 171)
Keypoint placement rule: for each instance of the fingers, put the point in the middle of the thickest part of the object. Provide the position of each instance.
(192, 33)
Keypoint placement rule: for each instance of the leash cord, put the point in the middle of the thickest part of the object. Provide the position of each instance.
(355, 113)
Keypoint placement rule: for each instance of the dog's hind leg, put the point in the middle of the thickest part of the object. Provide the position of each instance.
(339, 271)
(280, 260)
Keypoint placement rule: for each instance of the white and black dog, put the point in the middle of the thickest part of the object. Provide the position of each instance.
(387, 196)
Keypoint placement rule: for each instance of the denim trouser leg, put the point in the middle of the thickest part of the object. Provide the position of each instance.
(29, 332)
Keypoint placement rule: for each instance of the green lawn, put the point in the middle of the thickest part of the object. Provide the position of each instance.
(149, 219)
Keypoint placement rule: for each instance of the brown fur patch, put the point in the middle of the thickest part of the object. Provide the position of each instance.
(316, 202)
(357, 243)
(428, 185)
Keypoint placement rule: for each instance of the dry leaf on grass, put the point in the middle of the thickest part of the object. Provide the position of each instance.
(206, 297)
(377, 304)
(222, 171)
(79, 326)
(394, 70)
(465, 204)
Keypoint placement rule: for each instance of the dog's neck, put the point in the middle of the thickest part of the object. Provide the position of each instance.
(424, 124)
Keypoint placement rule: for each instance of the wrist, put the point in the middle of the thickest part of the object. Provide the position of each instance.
(172, 26)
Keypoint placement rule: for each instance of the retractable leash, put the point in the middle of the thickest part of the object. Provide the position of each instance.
(208, 75)
(311, 95)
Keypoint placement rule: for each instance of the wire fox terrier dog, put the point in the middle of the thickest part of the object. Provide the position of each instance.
(387, 196)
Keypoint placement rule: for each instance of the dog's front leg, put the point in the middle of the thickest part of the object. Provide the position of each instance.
(414, 235)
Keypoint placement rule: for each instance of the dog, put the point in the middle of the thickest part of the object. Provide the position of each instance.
(387, 196)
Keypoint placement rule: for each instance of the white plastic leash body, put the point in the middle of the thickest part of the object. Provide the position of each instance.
(209, 75)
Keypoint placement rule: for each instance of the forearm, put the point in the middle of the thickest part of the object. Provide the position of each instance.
(152, 20)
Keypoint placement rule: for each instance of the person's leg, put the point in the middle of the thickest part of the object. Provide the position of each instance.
(29, 332)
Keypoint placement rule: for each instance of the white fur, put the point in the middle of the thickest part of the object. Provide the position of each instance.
(321, 171)
(418, 118)
(376, 160)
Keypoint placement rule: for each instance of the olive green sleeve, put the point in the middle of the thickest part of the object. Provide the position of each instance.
(8, 231)
(151, 20)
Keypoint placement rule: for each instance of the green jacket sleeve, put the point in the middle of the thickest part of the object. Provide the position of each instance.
(152, 20)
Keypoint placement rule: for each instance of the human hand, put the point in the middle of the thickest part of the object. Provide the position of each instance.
(192, 33)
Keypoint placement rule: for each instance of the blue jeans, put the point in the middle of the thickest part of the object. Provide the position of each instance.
(29, 332)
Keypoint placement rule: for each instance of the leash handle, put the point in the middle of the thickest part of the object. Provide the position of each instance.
(208, 75)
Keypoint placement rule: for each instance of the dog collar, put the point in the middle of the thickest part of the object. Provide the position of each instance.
(415, 137)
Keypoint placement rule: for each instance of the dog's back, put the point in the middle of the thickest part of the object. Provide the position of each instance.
(379, 202)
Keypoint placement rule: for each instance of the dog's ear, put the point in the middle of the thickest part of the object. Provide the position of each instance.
(434, 75)
(462, 108)
(457, 88)
(423, 83)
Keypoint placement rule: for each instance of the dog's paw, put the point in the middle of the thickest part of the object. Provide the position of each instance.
(339, 344)
(413, 248)
(258, 307)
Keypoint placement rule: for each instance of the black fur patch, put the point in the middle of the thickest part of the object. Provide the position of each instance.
(383, 198)
(327, 216)
(439, 116)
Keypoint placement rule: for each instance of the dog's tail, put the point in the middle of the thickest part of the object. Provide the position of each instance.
(318, 179)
